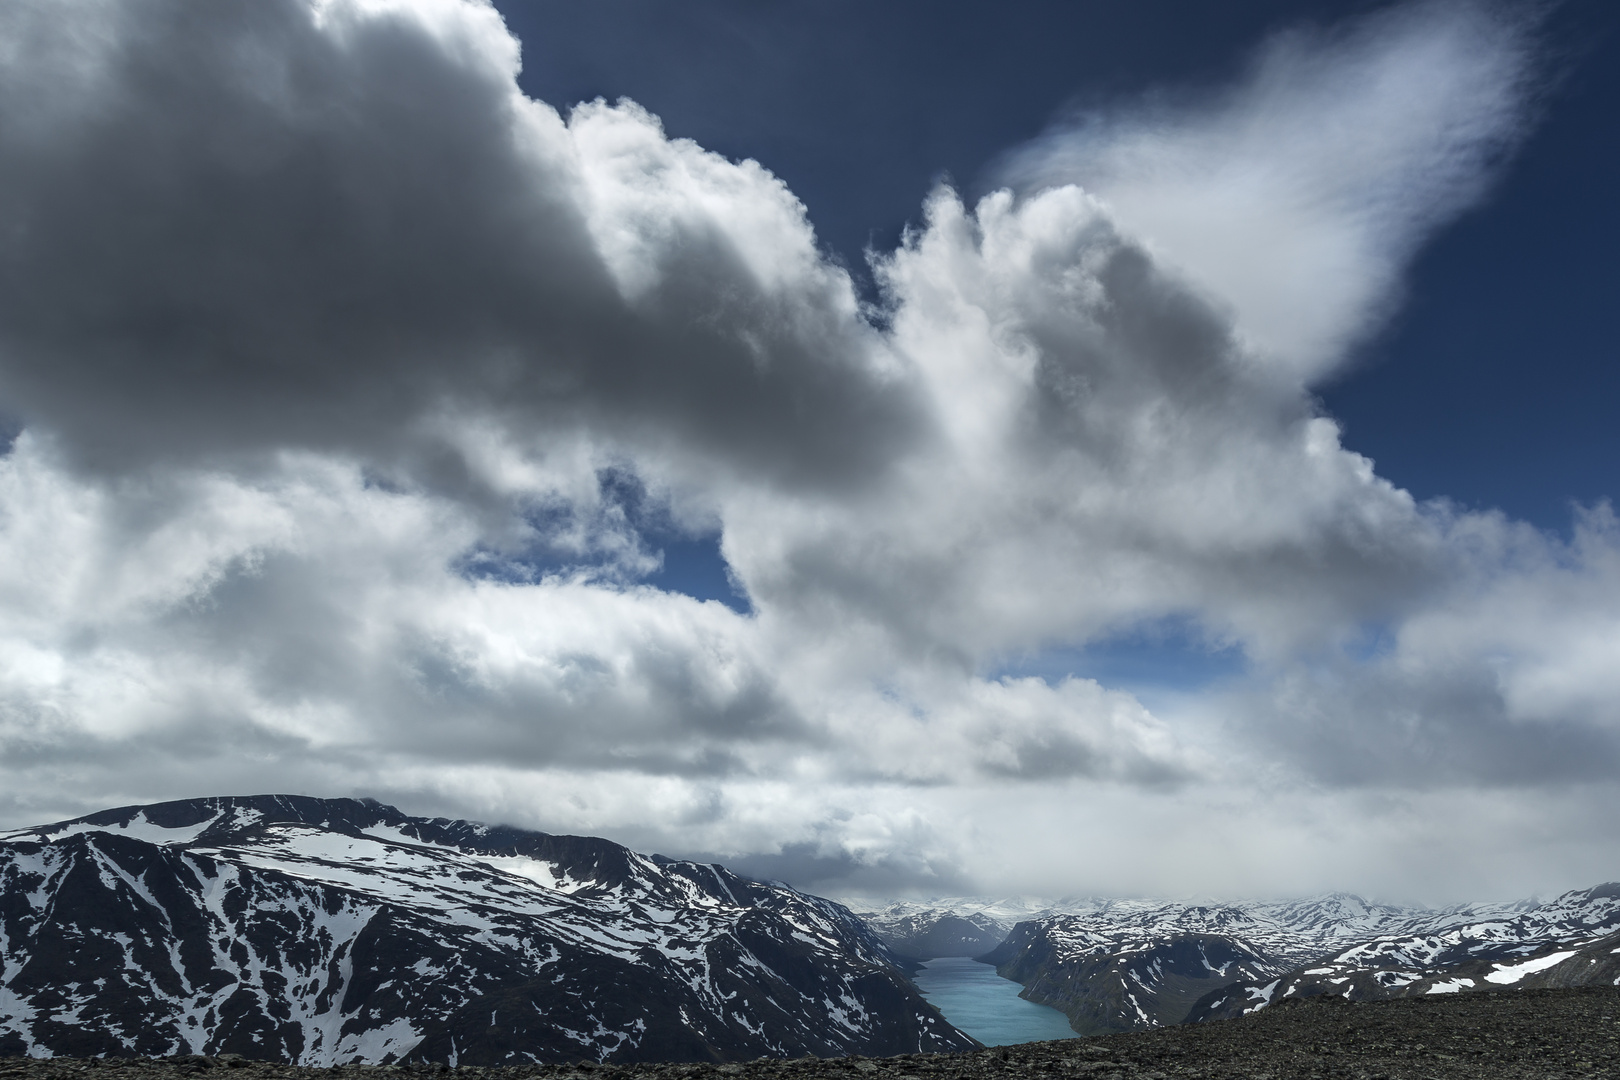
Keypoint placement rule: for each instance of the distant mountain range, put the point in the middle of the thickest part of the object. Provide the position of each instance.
(1123, 965)
(336, 931)
(1571, 941)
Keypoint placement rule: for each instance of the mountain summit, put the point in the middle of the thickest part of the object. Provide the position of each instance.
(335, 931)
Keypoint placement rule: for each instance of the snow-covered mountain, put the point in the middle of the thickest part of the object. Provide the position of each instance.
(918, 933)
(338, 931)
(1121, 965)
(1573, 940)
(954, 925)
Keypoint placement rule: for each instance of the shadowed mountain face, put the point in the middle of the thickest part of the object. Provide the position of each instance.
(932, 934)
(338, 931)
(1124, 990)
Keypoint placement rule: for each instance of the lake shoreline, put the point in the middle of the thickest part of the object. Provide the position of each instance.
(982, 1004)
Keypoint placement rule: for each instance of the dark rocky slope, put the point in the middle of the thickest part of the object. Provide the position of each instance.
(1503, 1035)
(1151, 986)
(1559, 965)
(336, 931)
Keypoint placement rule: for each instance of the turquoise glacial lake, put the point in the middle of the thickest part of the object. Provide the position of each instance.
(986, 1006)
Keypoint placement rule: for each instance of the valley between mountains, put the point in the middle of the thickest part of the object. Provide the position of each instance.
(336, 932)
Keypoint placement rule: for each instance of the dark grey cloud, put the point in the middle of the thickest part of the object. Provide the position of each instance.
(256, 226)
(844, 873)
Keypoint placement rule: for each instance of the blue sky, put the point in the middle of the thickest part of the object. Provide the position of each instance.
(1062, 448)
(1492, 383)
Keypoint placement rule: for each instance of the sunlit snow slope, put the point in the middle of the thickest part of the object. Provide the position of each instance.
(338, 931)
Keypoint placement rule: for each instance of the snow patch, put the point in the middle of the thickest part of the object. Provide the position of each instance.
(1450, 986)
(1507, 974)
(1261, 996)
(540, 872)
(137, 827)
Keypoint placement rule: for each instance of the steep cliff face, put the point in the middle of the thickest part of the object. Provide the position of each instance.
(337, 931)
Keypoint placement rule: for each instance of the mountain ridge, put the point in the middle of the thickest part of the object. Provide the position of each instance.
(326, 931)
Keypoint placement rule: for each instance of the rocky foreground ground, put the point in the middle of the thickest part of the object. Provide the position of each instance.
(1541, 1034)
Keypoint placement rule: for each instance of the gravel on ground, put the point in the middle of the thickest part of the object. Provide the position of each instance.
(1503, 1035)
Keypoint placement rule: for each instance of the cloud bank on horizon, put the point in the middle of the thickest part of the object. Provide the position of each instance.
(346, 381)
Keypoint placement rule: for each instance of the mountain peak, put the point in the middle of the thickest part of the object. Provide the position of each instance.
(327, 931)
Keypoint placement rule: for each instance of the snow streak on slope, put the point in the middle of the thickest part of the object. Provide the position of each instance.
(335, 931)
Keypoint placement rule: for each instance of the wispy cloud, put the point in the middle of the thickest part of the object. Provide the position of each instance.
(1297, 195)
